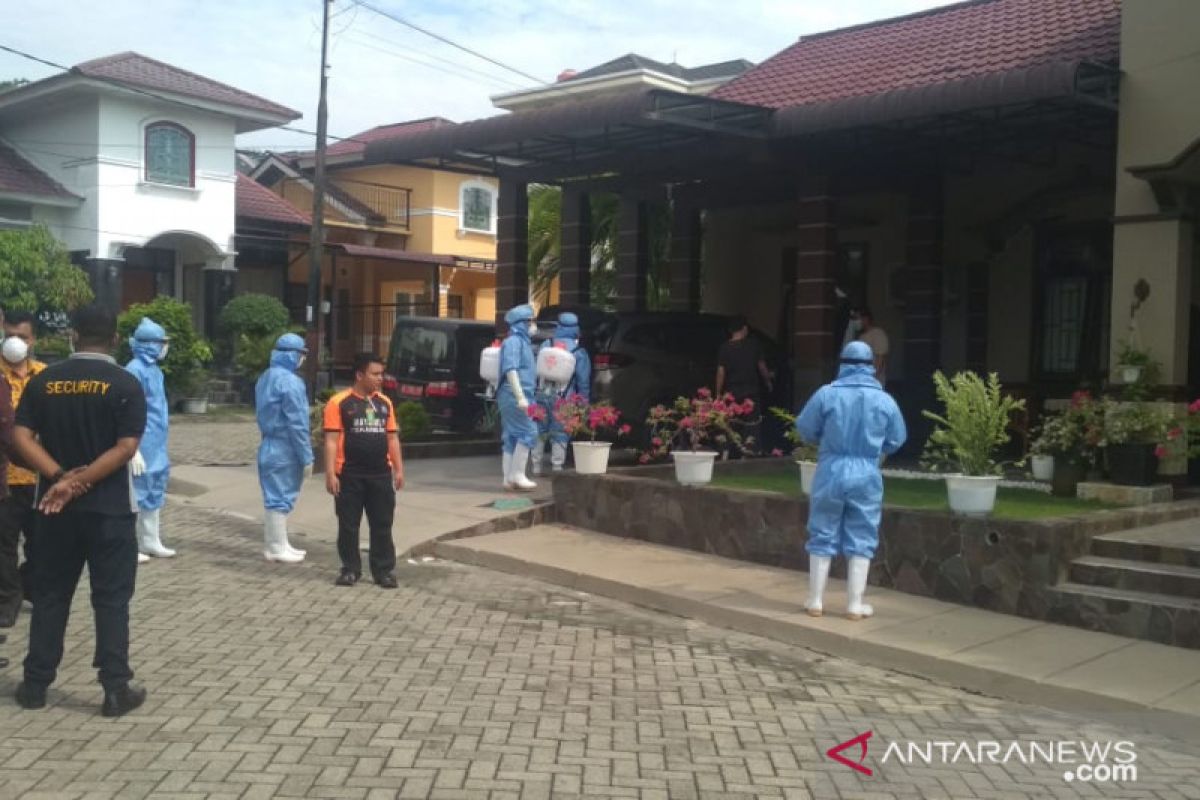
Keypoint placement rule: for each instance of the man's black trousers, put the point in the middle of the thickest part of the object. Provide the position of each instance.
(62, 544)
(377, 497)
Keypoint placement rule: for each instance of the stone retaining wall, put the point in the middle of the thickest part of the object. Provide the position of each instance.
(1001, 565)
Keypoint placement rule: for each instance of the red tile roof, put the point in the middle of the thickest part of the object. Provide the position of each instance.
(18, 176)
(357, 143)
(255, 201)
(945, 44)
(134, 69)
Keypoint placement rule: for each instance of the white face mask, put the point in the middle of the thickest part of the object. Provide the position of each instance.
(162, 352)
(532, 328)
(300, 363)
(15, 350)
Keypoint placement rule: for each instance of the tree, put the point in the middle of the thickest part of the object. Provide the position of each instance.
(37, 275)
(545, 245)
(12, 84)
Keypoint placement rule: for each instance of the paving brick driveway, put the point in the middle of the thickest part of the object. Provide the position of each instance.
(267, 681)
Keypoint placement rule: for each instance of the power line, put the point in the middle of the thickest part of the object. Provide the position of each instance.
(159, 97)
(452, 71)
(445, 40)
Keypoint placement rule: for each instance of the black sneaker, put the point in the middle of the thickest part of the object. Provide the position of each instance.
(346, 578)
(30, 697)
(386, 581)
(8, 616)
(119, 702)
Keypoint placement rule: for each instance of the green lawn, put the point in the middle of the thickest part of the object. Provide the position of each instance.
(927, 494)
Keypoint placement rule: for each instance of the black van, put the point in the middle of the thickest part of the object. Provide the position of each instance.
(435, 362)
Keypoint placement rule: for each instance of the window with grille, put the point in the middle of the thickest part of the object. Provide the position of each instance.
(478, 207)
(454, 306)
(1072, 325)
(170, 155)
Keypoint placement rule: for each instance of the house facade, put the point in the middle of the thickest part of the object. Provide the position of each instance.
(130, 162)
(400, 239)
(995, 178)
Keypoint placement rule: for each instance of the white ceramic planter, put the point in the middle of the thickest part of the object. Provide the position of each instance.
(694, 469)
(1130, 374)
(808, 469)
(1042, 467)
(195, 406)
(974, 496)
(591, 458)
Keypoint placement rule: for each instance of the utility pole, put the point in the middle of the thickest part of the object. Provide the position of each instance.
(316, 253)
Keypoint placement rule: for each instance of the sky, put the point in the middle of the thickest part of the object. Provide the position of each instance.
(382, 72)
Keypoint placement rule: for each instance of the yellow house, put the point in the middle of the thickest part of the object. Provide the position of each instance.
(401, 240)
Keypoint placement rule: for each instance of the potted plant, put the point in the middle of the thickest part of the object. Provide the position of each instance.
(1134, 363)
(683, 427)
(1071, 439)
(1041, 462)
(1134, 438)
(192, 386)
(583, 422)
(804, 454)
(967, 437)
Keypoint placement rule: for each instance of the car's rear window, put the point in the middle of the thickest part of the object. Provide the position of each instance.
(417, 350)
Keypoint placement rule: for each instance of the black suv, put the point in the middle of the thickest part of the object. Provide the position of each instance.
(435, 362)
(641, 359)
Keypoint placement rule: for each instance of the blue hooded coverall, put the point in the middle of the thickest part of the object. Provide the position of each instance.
(281, 405)
(516, 353)
(854, 421)
(567, 334)
(147, 344)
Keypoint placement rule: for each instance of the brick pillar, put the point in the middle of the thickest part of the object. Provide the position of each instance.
(686, 239)
(512, 247)
(922, 309)
(633, 259)
(575, 265)
(813, 342)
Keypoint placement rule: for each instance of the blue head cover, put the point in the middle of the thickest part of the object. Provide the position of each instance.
(518, 319)
(289, 349)
(147, 340)
(568, 326)
(857, 359)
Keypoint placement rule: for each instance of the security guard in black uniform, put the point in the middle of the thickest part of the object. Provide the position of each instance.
(78, 425)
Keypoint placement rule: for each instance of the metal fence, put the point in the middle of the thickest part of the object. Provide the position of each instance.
(368, 327)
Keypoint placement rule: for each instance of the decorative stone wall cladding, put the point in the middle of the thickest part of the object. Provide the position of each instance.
(1002, 565)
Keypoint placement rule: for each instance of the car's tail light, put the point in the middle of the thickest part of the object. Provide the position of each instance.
(611, 360)
(390, 384)
(447, 389)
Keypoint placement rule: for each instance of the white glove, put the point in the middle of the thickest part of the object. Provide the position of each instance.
(137, 464)
(308, 471)
(514, 383)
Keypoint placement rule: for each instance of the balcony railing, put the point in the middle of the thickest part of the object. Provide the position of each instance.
(391, 205)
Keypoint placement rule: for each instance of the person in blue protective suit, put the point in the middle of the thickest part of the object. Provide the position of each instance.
(150, 466)
(285, 456)
(518, 376)
(565, 335)
(854, 421)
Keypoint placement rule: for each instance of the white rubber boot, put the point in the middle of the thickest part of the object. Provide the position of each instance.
(506, 465)
(516, 478)
(149, 538)
(276, 546)
(537, 459)
(818, 576)
(558, 456)
(857, 571)
(142, 557)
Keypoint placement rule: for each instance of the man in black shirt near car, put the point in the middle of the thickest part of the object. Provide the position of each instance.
(78, 425)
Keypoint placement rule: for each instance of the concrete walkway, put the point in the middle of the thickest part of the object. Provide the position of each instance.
(1149, 685)
(441, 496)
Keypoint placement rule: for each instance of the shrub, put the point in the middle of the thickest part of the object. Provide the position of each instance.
(253, 315)
(188, 352)
(412, 419)
(974, 425)
(36, 273)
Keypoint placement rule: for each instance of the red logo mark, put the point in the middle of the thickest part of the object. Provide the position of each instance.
(835, 753)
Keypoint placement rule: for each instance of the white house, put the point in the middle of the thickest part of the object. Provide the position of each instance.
(131, 163)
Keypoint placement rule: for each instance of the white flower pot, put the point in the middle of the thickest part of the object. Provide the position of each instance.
(694, 468)
(591, 458)
(972, 495)
(1130, 374)
(808, 469)
(1042, 467)
(195, 405)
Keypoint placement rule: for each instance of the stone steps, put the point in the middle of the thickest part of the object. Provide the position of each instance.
(1141, 548)
(1140, 576)
(1154, 616)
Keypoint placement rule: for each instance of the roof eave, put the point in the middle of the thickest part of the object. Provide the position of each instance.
(56, 201)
